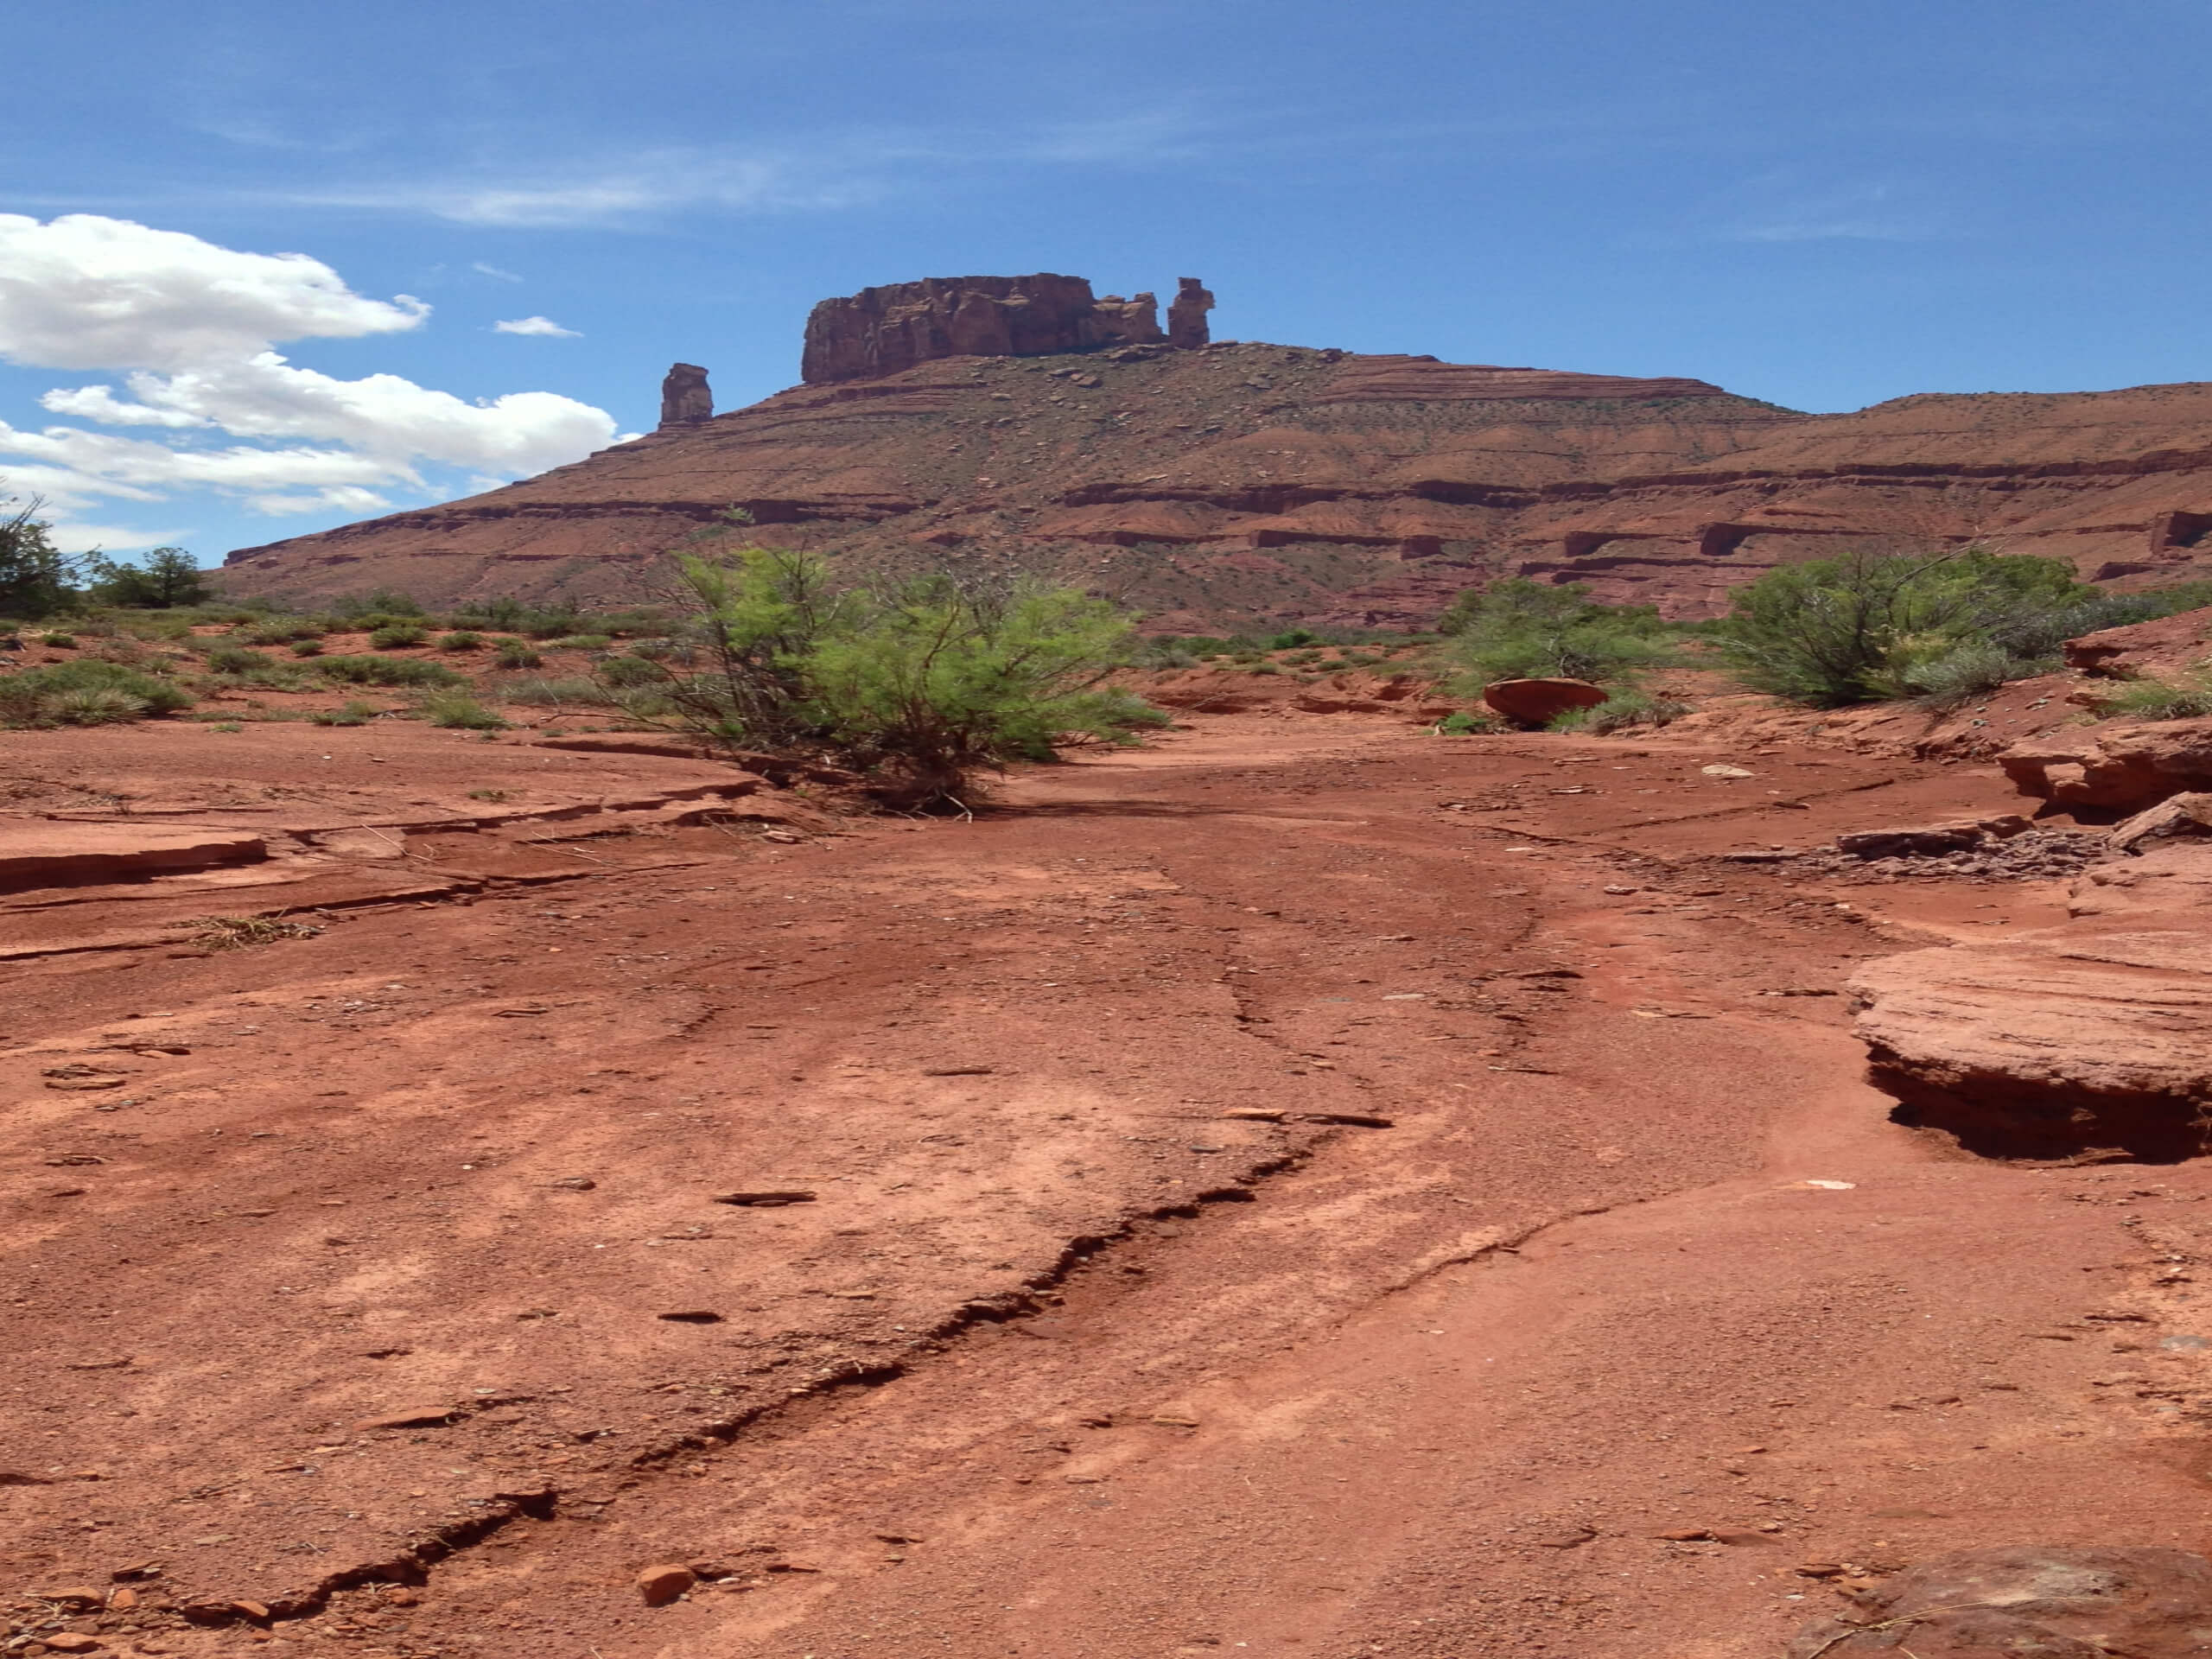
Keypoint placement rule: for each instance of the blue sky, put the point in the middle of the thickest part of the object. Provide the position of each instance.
(1821, 205)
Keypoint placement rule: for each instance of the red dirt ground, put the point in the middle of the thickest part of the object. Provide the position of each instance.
(1104, 1331)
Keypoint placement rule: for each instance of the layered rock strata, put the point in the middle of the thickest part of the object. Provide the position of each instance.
(881, 331)
(1239, 484)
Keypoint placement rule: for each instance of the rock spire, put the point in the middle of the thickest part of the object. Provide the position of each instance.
(685, 399)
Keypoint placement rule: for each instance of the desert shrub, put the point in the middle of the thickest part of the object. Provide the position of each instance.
(623, 671)
(919, 683)
(584, 642)
(1962, 670)
(1519, 629)
(86, 693)
(1620, 709)
(282, 630)
(398, 636)
(59, 641)
(236, 660)
(1461, 723)
(517, 654)
(355, 712)
(307, 647)
(386, 671)
(459, 710)
(378, 605)
(461, 639)
(2186, 699)
(540, 691)
(1856, 627)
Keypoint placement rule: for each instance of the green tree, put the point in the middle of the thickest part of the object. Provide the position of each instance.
(37, 579)
(167, 578)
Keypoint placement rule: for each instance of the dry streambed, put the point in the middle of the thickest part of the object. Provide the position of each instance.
(1304, 1185)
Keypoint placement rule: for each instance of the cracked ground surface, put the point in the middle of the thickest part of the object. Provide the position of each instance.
(1304, 1188)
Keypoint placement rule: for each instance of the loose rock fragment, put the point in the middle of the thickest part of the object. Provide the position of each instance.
(662, 1584)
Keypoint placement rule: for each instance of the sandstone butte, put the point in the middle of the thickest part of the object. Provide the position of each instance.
(1017, 423)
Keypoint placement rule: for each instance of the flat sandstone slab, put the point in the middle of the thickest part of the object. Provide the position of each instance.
(48, 852)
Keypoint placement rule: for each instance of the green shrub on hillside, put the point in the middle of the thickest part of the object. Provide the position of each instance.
(2186, 699)
(459, 710)
(398, 636)
(386, 671)
(1621, 709)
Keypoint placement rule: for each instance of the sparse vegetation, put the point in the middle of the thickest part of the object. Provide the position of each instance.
(398, 636)
(236, 932)
(386, 671)
(86, 692)
(2189, 698)
(1621, 709)
(1461, 723)
(517, 654)
(459, 710)
(460, 639)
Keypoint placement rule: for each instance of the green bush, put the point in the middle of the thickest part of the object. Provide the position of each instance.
(307, 648)
(540, 692)
(1869, 625)
(283, 631)
(461, 639)
(517, 654)
(380, 605)
(1460, 723)
(398, 636)
(37, 579)
(86, 693)
(624, 671)
(59, 641)
(355, 712)
(1518, 629)
(584, 642)
(457, 709)
(387, 671)
(1621, 709)
(236, 660)
(920, 684)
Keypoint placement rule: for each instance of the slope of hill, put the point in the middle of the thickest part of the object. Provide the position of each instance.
(1241, 482)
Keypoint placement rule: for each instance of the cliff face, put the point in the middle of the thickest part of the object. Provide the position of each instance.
(881, 331)
(1237, 484)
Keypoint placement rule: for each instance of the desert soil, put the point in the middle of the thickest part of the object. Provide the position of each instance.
(1305, 1188)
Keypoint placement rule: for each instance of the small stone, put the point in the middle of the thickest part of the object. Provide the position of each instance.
(1818, 1569)
(1726, 772)
(575, 1183)
(414, 1417)
(1689, 1535)
(72, 1642)
(79, 1598)
(662, 1584)
(122, 1600)
(1569, 1540)
(253, 1610)
(765, 1200)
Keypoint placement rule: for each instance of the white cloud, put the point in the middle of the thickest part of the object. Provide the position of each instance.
(81, 537)
(544, 325)
(483, 270)
(191, 327)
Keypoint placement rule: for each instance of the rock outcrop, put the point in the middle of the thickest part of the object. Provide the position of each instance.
(2155, 649)
(1538, 702)
(2028, 1599)
(2090, 1039)
(2120, 767)
(685, 399)
(1187, 328)
(884, 331)
(1241, 484)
